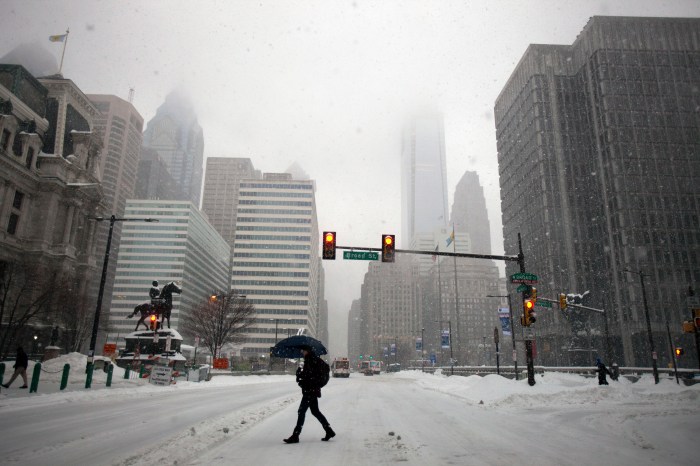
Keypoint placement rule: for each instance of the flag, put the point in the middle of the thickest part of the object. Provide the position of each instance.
(58, 38)
(504, 317)
(451, 238)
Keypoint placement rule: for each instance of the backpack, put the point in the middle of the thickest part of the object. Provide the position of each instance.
(324, 373)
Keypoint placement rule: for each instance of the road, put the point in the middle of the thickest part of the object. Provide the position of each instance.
(379, 420)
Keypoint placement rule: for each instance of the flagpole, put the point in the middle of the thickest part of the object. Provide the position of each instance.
(442, 352)
(65, 42)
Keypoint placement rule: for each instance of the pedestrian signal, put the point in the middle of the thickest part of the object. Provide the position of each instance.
(388, 246)
(679, 352)
(153, 321)
(329, 245)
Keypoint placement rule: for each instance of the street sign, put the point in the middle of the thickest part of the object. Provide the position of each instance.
(361, 255)
(160, 375)
(522, 287)
(523, 277)
(543, 304)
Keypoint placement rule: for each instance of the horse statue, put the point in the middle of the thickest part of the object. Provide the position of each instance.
(161, 306)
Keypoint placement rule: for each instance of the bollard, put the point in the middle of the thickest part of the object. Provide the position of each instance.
(126, 372)
(109, 375)
(2, 372)
(64, 377)
(35, 378)
(88, 378)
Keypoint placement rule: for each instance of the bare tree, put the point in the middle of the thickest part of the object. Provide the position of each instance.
(26, 293)
(220, 320)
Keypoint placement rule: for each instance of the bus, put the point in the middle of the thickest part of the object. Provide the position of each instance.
(340, 367)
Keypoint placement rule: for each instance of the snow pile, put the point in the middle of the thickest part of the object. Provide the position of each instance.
(551, 389)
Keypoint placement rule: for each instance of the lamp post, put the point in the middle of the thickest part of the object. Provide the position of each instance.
(512, 330)
(452, 363)
(100, 293)
(646, 314)
(422, 350)
(276, 323)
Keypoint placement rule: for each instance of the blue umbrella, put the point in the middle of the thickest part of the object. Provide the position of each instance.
(291, 347)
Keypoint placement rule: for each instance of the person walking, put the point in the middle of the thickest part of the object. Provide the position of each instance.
(311, 378)
(21, 363)
(602, 371)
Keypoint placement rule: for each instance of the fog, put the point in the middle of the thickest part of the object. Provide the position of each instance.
(325, 84)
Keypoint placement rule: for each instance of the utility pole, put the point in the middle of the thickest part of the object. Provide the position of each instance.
(646, 314)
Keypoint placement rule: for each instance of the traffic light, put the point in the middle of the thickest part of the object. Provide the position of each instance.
(361, 357)
(154, 322)
(529, 316)
(213, 298)
(679, 352)
(531, 292)
(329, 245)
(562, 302)
(388, 246)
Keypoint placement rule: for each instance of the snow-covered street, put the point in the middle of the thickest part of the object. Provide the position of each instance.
(407, 417)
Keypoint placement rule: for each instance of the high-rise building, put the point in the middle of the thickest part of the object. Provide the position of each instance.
(598, 146)
(390, 306)
(469, 214)
(423, 178)
(355, 331)
(178, 138)
(276, 257)
(220, 200)
(182, 247)
(121, 127)
(153, 180)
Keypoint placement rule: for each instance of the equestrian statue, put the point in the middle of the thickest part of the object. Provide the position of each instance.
(161, 305)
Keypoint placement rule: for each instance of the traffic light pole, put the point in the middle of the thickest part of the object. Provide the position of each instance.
(528, 343)
(673, 352)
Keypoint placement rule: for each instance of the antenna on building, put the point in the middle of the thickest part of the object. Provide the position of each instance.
(131, 95)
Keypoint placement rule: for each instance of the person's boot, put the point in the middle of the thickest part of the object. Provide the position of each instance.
(294, 438)
(329, 433)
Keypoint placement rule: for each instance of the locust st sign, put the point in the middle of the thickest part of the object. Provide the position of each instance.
(525, 278)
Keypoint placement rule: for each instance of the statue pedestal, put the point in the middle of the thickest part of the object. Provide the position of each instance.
(51, 352)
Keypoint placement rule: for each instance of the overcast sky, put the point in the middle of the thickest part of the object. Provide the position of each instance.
(327, 84)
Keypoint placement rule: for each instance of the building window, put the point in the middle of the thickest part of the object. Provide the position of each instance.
(17, 146)
(5, 140)
(12, 224)
(17, 202)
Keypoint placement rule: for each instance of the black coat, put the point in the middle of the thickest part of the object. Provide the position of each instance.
(602, 371)
(309, 378)
(22, 359)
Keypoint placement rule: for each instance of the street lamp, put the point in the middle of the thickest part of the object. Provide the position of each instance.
(276, 323)
(646, 313)
(96, 322)
(452, 361)
(512, 330)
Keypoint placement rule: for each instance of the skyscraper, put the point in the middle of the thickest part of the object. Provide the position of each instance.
(220, 200)
(153, 180)
(469, 214)
(423, 177)
(598, 146)
(275, 257)
(178, 138)
(182, 247)
(121, 127)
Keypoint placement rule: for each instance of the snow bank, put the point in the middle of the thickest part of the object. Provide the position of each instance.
(551, 389)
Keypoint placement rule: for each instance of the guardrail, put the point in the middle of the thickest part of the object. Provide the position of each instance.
(582, 370)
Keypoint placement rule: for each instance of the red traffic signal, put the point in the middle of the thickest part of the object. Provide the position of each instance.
(328, 245)
(529, 316)
(388, 247)
(153, 321)
(679, 352)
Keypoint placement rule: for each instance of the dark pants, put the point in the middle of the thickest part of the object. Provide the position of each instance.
(310, 401)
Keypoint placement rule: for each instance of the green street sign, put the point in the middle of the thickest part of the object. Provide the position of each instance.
(521, 288)
(526, 278)
(361, 255)
(543, 304)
